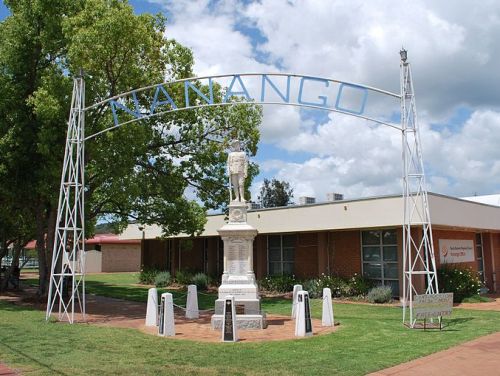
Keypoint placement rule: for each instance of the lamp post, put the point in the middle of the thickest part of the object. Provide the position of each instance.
(141, 228)
(404, 54)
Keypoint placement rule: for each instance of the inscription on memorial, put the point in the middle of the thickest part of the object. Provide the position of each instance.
(236, 256)
(307, 310)
(161, 320)
(228, 321)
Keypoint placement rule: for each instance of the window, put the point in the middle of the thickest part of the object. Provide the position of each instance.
(380, 257)
(280, 254)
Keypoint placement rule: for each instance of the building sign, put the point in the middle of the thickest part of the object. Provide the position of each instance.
(453, 251)
(432, 305)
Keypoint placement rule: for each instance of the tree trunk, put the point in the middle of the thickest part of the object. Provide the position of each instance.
(14, 264)
(41, 252)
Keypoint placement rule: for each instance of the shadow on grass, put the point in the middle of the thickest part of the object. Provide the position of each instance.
(34, 360)
(447, 323)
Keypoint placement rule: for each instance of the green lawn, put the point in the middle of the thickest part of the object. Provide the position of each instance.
(369, 338)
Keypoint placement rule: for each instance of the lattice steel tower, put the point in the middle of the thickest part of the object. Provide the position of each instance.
(418, 248)
(67, 276)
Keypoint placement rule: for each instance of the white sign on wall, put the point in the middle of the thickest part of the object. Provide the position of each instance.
(452, 251)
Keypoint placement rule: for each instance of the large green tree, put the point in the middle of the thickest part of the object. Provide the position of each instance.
(274, 193)
(166, 170)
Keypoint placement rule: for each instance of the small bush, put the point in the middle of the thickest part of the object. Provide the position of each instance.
(201, 280)
(278, 283)
(163, 279)
(463, 283)
(183, 277)
(147, 276)
(314, 287)
(380, 294)
(359, 285)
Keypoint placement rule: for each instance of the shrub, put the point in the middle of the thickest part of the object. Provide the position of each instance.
(201, 280)
(314, 287)
(463, 283)
(183, 277)
(278, 283)
(163, 279)
(147, 276)
(340, 287)
(380, 294)
(359, 285)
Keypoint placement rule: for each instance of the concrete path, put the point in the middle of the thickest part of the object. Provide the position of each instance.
(478, 357)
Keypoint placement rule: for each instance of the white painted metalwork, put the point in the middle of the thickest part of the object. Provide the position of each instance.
(67, 276)
(68, 259)
(419, 265)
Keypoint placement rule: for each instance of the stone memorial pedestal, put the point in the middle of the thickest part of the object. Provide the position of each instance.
(238, 278)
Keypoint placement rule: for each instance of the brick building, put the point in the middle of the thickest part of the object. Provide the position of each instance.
(342, 237)
(109, 253)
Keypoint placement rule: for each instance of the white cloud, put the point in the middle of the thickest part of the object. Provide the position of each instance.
(453, 47)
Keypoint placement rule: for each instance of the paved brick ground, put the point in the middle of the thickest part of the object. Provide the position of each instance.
(6, 371)
(479, 357)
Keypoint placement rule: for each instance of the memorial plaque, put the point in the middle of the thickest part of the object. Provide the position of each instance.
(427, 306)
(229, 324)
(161, 321)
(240, 309)
(307, 312)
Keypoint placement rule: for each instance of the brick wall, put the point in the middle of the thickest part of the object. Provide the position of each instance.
(121, 257)
(155, 254)
(306, 255)
(345, 257)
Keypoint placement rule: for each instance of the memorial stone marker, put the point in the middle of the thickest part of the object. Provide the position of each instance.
(192, 311)
(303, 324)
(327, 313)
(152, 308)
(296, 289)
(166, 325)
(238, 278)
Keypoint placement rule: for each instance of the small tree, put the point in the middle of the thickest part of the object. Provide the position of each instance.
(275, 193)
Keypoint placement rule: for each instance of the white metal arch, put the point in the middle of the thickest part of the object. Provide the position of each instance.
(68, 260)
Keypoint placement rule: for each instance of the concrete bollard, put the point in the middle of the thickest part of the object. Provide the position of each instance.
(192, 311)
(296, 289)
(303, 324)
(166, 325)
(327, 315)
(152, 308)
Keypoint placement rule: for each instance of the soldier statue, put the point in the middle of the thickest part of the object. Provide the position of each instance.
(237, 166)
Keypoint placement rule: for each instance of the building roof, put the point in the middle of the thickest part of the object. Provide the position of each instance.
(98, 239)
(374, 212)
(111, 239)
(486, 199)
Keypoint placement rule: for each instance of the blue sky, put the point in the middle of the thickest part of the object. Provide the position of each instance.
(453, 48)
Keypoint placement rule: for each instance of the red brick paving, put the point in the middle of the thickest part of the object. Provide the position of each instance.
(6, 371)
(479, 357)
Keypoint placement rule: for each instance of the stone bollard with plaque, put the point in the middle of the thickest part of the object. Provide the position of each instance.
(303, 324)
(327, 314)
(296, 289)
(229, 326)
(152, 308)
(192, 311)
(166, 325)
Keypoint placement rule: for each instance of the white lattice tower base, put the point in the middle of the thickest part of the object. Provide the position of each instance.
(419, 265)
(67, 278)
